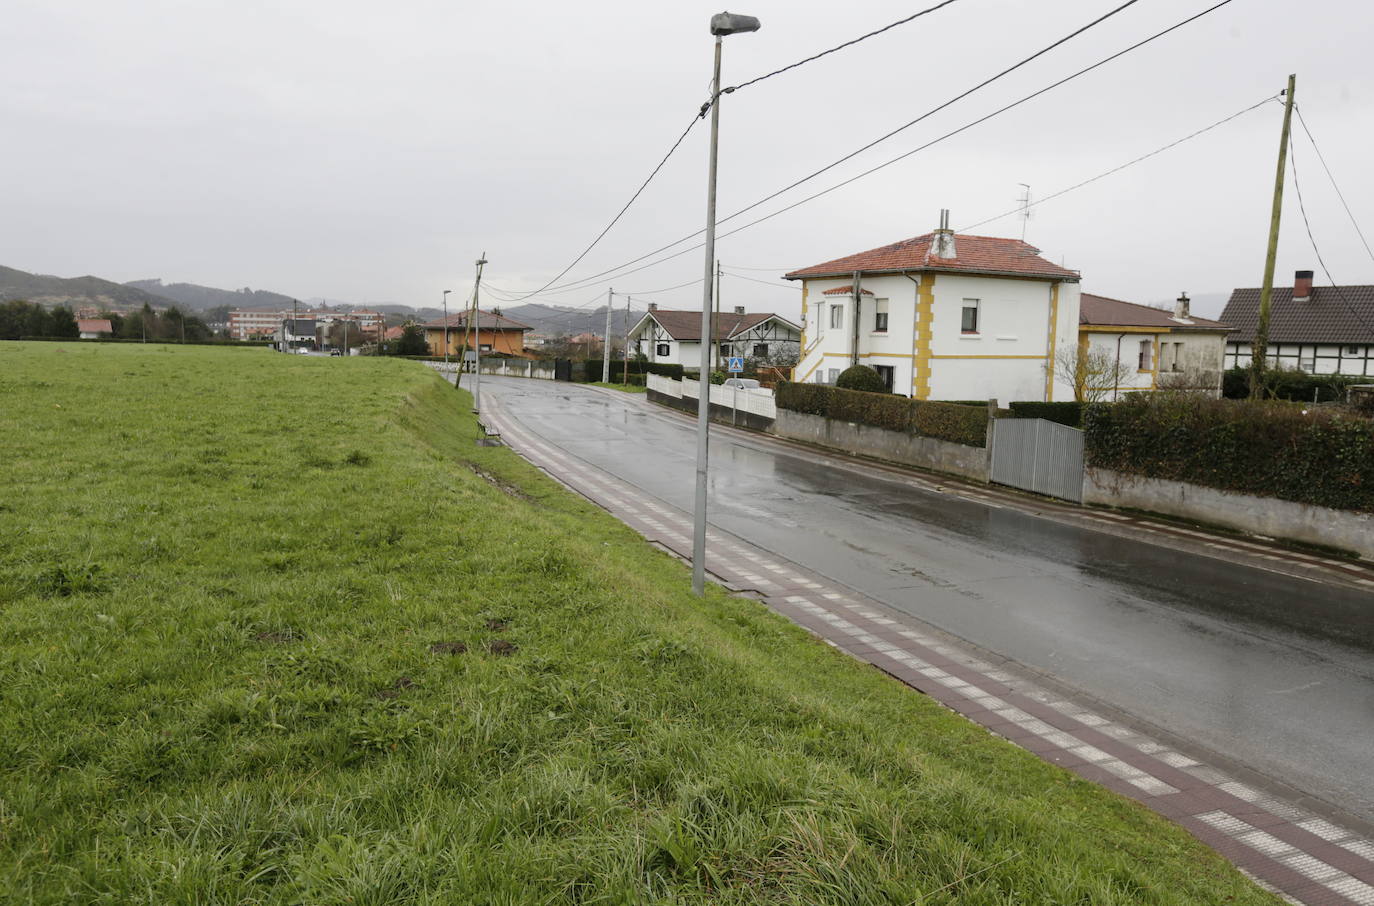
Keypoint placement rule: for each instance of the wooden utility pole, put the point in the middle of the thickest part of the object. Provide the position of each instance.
(1260, 351)
(606, 340)
(715, 328)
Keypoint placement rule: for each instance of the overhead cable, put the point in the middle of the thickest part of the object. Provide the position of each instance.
(838, 47)
(931, 112)
(1297, 186)
(1025, 207)
(620, 271)
(1329, 175)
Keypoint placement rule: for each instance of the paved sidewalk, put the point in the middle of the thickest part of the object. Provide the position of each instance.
(1292, 850)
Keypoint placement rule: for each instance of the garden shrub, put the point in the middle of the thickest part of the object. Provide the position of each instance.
(953, 422)
(1287, 384)
(1269, 449)
(1067, 413)
(861, 377)
(944, 421)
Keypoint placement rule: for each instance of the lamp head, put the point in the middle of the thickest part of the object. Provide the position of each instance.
(732, 23)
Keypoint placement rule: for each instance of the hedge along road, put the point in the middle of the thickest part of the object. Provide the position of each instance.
(1208, 651)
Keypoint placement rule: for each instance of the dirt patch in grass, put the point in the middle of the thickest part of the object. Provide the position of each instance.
(497, 624)
(505, 486)
(448, 648)
(502, 648)
(395, 689)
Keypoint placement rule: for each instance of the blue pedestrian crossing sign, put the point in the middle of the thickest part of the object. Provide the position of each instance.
(734, 364)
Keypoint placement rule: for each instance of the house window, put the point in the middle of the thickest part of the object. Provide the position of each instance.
(760, 350)
(1352, 350)
(820, 375)
(725, 352)
(1178, 357)
(969, 324)
(837, 315)
(833, 376)
(661, 349)
(486, 347)
(887, 373)
(880, 316)
(1146, 358)
(1308, 363)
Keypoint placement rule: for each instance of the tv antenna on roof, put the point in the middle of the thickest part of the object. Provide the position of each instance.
(1025, 202)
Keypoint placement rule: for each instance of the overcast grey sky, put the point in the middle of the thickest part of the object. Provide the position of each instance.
(369, 152)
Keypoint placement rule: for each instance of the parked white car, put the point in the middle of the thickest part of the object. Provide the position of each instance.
(741, 383)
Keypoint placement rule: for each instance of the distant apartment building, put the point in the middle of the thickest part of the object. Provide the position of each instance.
(258, 323)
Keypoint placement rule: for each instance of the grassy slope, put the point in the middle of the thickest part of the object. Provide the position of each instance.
(218, 565)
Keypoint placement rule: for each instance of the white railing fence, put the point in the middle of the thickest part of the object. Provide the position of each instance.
(756, 402)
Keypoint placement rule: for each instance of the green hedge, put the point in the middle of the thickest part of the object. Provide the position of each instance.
(944, 421)
(1283, 384)
(1067, 413)
(1269, 449)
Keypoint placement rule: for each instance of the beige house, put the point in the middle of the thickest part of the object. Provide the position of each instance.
(1151, 348)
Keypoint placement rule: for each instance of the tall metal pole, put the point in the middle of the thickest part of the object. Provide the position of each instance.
(715, 334)
(625, 377)
(446, 292)
(1260, 351)
(477, 346)
(606, 346)
(704, 393)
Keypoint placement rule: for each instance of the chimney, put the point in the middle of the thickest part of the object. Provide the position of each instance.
(653, 306)
(1302, 286)
(942, 242)
(1181, 307)
(739, 309)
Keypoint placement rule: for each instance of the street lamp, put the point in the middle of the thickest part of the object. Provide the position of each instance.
(722, 24)
(446, 292)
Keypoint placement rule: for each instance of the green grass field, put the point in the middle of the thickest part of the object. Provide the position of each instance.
(274, 630)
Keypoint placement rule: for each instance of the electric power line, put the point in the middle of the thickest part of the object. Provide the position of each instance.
(837, 47)
(1329, 175)
(764, 282)
(587, 280)
(620, 272)
(1340, 294)
(616, 219)
(1039, 201)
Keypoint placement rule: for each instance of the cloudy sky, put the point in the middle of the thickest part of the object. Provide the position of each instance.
(369, 152)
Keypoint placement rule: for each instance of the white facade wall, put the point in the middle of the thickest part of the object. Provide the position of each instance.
(1004, 360)
(1315, 358)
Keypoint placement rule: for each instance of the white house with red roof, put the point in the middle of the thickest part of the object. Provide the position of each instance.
(673, 337)
(942, 317)
(94, 328)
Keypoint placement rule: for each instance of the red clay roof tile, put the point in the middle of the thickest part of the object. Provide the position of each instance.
(974, 254)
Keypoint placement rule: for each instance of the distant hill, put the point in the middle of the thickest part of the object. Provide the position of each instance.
(76, 292)
(556, 321)
(203, 298)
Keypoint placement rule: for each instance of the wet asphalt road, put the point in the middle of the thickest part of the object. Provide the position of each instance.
(1271, 672)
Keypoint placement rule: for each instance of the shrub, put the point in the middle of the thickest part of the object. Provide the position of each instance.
(950, 421)
(1286, 384)
(1269, 449)
(861, 377)
(944, 421)
(1068, 413)
(666, 370)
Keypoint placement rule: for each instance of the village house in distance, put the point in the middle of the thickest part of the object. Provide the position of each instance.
(673, 337)
(1316, 329)
(1150, 348)
(494, 334)
(942, 317)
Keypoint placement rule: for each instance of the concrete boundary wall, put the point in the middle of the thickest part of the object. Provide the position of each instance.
(879, 443)
(1266, 516)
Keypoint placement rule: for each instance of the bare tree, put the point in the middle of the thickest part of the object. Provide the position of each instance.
(1191, 380)
(1093, 373)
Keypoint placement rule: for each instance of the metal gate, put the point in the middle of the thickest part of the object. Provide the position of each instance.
(1038, 455)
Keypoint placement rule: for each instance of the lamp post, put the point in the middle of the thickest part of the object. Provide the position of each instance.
(446, 292)
(477, 346)
(722, 24)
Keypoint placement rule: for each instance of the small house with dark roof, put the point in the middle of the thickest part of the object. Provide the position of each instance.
(673, 337)
(941, 317)
(1145, 348)
(1317, 329)
(496, 334)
